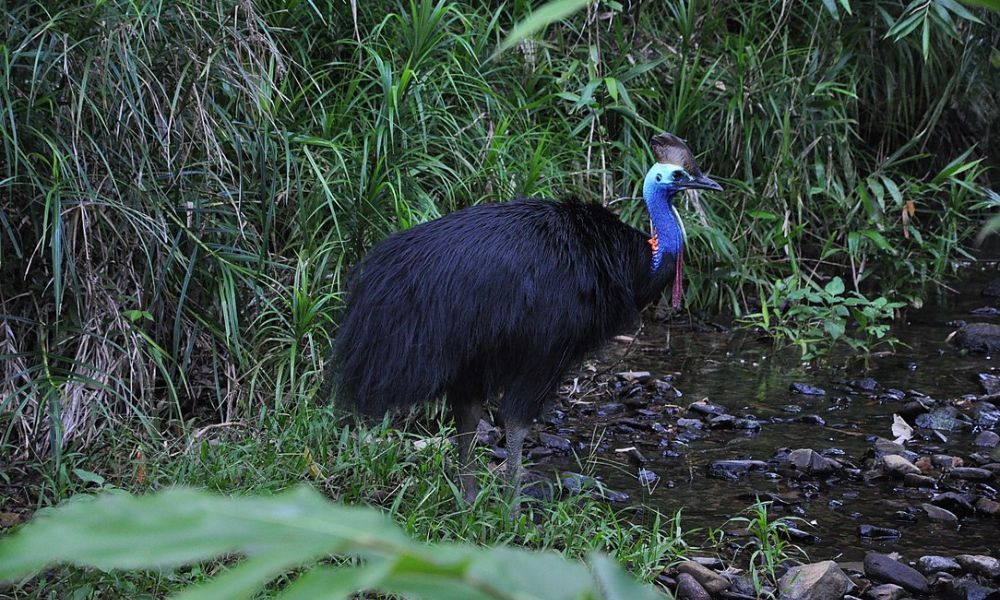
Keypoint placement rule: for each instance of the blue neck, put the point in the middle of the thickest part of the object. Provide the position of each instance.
(666, 227)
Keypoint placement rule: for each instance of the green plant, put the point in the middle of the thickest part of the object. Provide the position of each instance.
(291, 531)
(815, 318)
(769, 543)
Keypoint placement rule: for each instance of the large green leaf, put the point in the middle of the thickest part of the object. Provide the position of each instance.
(542, 17)
(286, 531)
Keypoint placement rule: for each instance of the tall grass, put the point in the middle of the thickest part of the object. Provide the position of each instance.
(186, 185)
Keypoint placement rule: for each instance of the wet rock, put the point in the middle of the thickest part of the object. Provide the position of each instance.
(639, 376)
(807, 390)
(914, 408)
(987, 439)
(540, 452)
(992, 289)
(978, 564)
(633, 455)
(946, 461)
(610, 409)
(971, 474)
(647, 477)
(874, 532)
(917, 480)
(937, 564)
(893, 394)
(886, 591)
(707, 578)
(936, 513)
(817, 581)
(990, 382)
(734, 469)
(690, 423)
(884, 447)
(978, 337)
(865, 384)
(746, 424)
(985, 311)
(793, 409)
(555, 442)
(945, 418)
(688, 588)
(811, 462)
(988, 507)
(885, 569)
(486, 433)
(710, 562)
(576, 483)
(898, 466)
(966, 588)
(722, 422)
(706, 408)
(985, 414)
(956, 503)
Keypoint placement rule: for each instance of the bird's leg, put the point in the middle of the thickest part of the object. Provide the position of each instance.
(515, 441)
(467, 414)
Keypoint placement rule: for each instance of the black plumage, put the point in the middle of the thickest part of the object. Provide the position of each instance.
(490, 302)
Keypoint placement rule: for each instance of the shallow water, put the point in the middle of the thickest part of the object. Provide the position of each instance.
(747, 376)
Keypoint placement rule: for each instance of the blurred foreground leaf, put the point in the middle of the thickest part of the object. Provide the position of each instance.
(278, 533)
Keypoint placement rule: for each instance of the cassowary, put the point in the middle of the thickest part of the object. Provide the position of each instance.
(496, 301)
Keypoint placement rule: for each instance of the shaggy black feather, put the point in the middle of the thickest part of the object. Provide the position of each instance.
(493, 301)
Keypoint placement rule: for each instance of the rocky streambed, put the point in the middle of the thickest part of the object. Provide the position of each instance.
(892, 471)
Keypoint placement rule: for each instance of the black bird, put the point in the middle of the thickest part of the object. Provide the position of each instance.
(496, 301)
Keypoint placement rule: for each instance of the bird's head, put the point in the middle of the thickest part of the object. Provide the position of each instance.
(675, 170)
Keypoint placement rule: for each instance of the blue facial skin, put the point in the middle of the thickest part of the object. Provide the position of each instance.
(662, 182)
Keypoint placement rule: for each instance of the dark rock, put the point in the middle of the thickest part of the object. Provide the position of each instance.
(886, 591)
(810, 462)
(688, 588)
(690, 423)
(874, 532)
(985, 311)
(706, 408)
(917, 480)
(990, 383)
(734, 469)
(945, 418)
(865, 384)
(746, 424)
(555, 442)
(978, 337)
(610, 409)
(966, 588)
(884, 447)
(956, 503)
(988, 507)
(707, 578)
(971, 473)
(992, 289)
(817, 581)
(576, 483)
(978, 564)
(987, 439)
(884, 568)
(936, 513)
(893, 394)
(807, 390)
(793, 409)
(985, 414)
(722, 422)
(913, 409)
(486, 433)
(937, 564)
(647, 477)
(633, 455)
(640, 376)
(540, 452)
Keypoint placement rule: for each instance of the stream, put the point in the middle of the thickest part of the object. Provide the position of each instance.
(749, 376)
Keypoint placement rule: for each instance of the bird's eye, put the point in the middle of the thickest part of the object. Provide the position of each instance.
(659, 177)
(678, 175)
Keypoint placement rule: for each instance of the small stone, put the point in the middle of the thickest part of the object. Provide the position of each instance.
(937, 564)
(709, 579)
(915, 480)
(690, 423)
(817, 581)
(978, 564)
(945, 461)
(807, 390)
(990, 383)
(884, 447)
(610, 408)
(555, 442)
(945, 418)
(865, 384)
(988, 507)
(706, 408)
(746, 424)
(875, 532)
(540, 452)
(959, 504)
(486, 433)
(899, 466)
(734, 469)
(639, 376)
(647, 477)
(884, 568)
(936, 513)
(971, 474)
(966, 588)
(811, 462)
(886, 591)
(688, 588)
(978, 337)
(987, 439)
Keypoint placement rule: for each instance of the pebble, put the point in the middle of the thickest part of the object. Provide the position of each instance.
(937, 564)
(899, 466)
(647, 477)
(555, 442)
(990, 383)
(884, 568)
(978, 564)
(971, 473)
(875, 532)
(917, 480)
(936, 513)
(886, 591)
(706, 408)
(807, 390)
(734, 469)
(811, 462)
(711, 581)
(865, 384)
(690, 423)
(987, 439)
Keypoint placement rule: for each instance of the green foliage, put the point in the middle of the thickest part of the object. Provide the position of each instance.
(816, 318)
(284, 532)
(769, 545)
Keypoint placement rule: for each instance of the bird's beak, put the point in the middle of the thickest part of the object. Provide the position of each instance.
(701, 182)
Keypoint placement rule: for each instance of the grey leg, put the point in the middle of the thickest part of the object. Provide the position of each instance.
(467, 412)
(515, 440)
